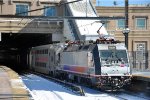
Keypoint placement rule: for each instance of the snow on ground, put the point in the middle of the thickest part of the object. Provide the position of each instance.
(42, 89)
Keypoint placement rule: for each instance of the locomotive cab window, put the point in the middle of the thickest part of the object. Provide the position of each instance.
(110, 57)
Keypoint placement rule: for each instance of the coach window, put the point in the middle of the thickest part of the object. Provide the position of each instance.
(46, 51)
(50, 11)
(43, 51)
(20, 8)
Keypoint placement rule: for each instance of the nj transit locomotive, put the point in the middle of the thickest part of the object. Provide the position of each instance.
(97, 64)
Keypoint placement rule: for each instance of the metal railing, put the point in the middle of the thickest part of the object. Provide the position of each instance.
(139, 60)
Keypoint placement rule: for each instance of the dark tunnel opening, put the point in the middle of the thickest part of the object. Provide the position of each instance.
(14, 48)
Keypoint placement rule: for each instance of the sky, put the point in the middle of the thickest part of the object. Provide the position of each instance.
(121, 2)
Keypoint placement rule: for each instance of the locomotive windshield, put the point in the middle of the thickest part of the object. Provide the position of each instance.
(110, 57)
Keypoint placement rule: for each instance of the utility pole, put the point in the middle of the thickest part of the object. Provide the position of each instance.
(126, 30)
(126, 13)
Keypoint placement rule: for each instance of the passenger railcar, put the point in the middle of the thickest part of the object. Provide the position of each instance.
(45, 58)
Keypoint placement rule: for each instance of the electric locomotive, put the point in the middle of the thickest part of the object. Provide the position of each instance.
(103, 64)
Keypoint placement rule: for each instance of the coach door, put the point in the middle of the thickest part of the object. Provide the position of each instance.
(51, 60)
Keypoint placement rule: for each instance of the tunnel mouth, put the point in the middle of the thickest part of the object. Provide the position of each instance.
(24, 40)
(15, 48)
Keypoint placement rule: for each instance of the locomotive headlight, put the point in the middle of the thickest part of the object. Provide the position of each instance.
(126, 73)
(104, 73)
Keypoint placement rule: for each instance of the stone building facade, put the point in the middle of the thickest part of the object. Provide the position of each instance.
(12, 20)
(139, 36)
